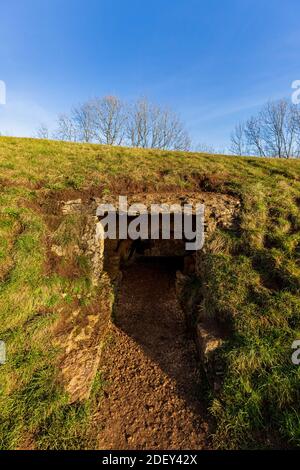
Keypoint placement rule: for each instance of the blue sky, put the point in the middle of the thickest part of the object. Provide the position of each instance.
(214, 61)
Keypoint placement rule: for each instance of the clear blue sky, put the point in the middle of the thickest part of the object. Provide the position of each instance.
(214, 61)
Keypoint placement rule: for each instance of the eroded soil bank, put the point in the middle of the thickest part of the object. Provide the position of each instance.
(152, 394)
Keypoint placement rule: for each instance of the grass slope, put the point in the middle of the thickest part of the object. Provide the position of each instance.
(251, 278)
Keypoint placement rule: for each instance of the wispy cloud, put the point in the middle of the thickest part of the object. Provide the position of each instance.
(21, 117)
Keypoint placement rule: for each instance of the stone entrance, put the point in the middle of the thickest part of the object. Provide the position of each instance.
(82, 340)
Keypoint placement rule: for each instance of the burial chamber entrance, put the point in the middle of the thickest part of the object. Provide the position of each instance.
(147, 275)
(155, 366)
(154, 277)
(152, 366)
(167, 238)
(203, 214)
(153, 397)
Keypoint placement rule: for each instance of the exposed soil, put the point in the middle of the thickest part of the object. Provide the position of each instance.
(152, 397)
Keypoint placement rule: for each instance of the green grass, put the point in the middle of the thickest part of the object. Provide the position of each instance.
(251, 279)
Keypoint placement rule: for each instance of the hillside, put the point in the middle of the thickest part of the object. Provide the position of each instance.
(250, 282)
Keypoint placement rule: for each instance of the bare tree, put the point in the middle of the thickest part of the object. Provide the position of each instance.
(170, 132)
(279, 123)
(238, 140)
(254, 137)
(273, 132)
(139, 124)
(83, 119)
(292, 131)
(66, 129)
(42, 131)
(109, 119)
(272, 127)
(150, 126)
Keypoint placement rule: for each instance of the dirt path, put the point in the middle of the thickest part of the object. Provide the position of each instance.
(152, 394)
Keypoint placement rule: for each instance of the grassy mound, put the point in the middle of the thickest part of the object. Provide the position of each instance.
(251, 278)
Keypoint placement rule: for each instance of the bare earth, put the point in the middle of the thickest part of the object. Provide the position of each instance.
(152, 394)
